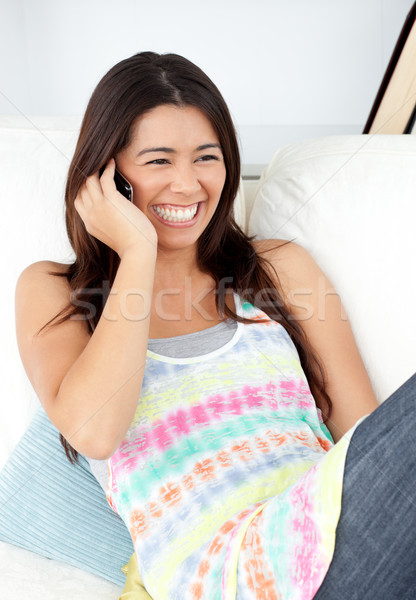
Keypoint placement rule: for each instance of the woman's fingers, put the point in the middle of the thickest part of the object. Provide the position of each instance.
(107, 182)
(109, 216)
(93, 186)
(108, 173)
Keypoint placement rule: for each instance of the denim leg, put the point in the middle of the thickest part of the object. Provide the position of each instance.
(375, 548)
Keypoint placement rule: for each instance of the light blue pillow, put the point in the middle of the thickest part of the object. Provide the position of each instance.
(59, 510)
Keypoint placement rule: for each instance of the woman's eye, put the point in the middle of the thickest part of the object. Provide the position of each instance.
(158, 161)
(208, 157)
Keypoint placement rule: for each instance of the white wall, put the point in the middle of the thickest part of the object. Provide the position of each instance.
(289, 69)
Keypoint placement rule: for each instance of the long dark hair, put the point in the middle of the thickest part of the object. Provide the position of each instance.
(131, 88)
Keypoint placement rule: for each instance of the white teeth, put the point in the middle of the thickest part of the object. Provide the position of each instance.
(175, 216)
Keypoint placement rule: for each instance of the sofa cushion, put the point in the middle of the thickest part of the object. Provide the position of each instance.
(58, 509)
(351, 202)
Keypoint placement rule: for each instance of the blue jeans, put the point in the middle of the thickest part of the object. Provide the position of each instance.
(375, 547)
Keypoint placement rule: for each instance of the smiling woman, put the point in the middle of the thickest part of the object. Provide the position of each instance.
(206, 402)
(176, 183)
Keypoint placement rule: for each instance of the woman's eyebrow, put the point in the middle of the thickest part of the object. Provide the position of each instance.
(205, 146)
(161, 149)
(171, 150)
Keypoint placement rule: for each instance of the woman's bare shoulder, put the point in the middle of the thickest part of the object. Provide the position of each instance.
(290, 261)
(45, 267)
(272, 248)
(44, 272)
(41, 291)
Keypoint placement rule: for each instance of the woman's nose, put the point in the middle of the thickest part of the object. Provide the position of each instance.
(185, 182)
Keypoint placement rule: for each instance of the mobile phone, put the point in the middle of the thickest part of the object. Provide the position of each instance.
(123, 186)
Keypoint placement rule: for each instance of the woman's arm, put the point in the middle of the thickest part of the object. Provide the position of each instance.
(313, 301)
(88, 384)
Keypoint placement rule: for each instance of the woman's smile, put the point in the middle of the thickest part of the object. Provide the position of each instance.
(176, 216)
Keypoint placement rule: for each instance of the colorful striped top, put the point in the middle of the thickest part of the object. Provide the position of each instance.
(224, 478)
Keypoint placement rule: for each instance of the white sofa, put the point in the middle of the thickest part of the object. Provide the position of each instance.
(349, 200)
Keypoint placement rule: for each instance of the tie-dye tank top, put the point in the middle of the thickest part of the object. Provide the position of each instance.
(224, 479)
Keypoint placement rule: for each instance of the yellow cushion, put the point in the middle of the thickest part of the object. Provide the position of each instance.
(134, 588)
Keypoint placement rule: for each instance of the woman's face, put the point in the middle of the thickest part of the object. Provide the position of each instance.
(175, 165)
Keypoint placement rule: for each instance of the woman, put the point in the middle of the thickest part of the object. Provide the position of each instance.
(175, 352)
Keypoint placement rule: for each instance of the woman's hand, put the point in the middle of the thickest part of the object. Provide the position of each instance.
(110, 217)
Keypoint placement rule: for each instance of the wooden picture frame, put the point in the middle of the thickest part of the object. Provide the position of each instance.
(394, 109)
